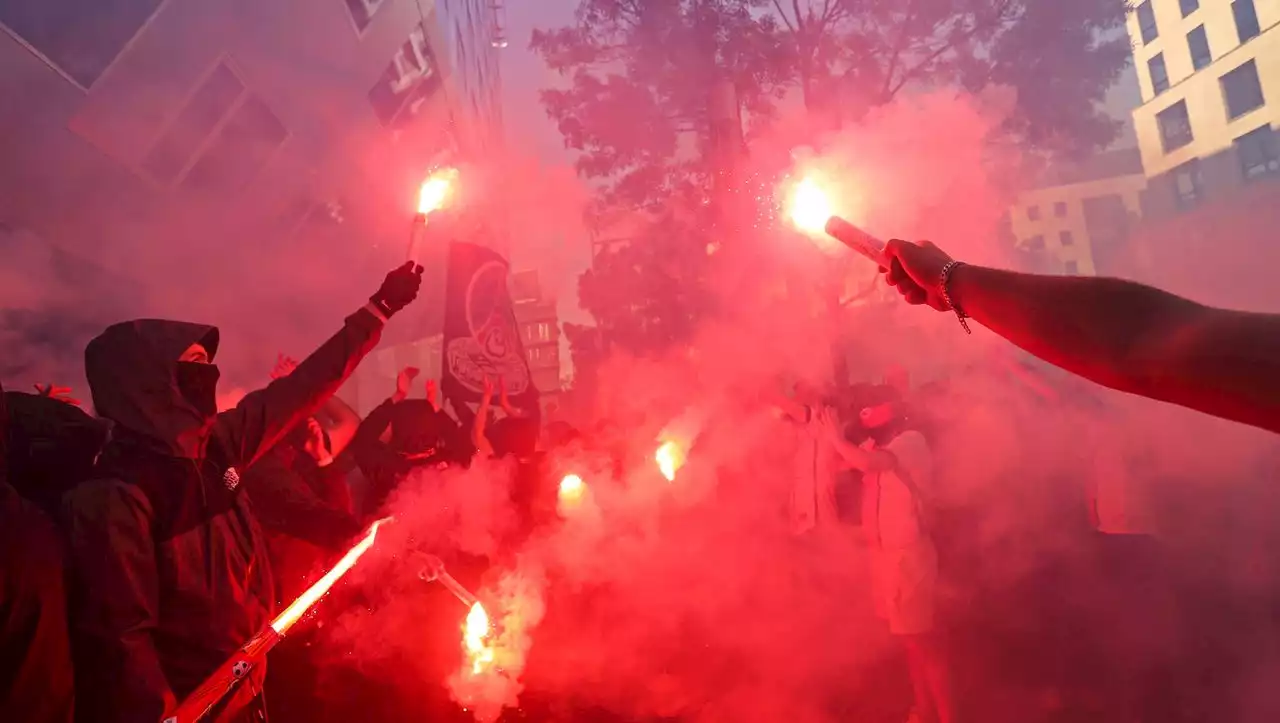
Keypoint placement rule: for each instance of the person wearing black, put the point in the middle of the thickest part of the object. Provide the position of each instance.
(36, 676)
(169, 571)
(417, 434)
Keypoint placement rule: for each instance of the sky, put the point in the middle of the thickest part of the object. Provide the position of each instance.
(523, 76)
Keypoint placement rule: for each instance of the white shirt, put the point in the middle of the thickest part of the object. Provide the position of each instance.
(891, 509)
(813, 493)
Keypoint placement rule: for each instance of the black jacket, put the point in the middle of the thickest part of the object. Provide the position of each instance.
(169, 568)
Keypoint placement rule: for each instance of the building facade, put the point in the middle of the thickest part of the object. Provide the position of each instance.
(1077, 219)
(1209, 73)
(539, 324)
(260, 146)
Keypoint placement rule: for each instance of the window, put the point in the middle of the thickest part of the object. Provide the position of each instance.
(1066, 239)
(1035, 243)
(1175, 126)
(544, 331)
(1188, 185)
(1147, 22)
(1198, 42)
(1159, 75)
(362, 11)
(409, 79)
(204, 110)
(1258, 153)
(1242, 89)
(83, 38)
(1033, 213)
(1072, 267)
(1060, 209)
(1246, 19)
(241, 148)
(1188, 6)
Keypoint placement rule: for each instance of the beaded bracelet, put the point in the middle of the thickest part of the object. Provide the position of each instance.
(944, 285)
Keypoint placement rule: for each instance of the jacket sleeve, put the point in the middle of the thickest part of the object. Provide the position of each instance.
(264, 416)
(285, 504)
(376, 461)
(114, 603)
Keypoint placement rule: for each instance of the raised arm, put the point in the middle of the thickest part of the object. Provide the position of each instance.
(264, 416)
(1121, 334)
(478, 437)
(855, 457)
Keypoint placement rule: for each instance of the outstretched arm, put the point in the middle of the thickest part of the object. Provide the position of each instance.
(1121, 334)
(264, 416)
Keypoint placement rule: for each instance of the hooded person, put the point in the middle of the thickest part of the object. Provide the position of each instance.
(36, 680)
(170, 575)
(52, 447)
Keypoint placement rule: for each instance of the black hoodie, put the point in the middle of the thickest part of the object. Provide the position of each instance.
(169, 569)
(35, 660)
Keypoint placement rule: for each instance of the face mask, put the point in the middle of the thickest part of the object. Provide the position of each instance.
(199, 386)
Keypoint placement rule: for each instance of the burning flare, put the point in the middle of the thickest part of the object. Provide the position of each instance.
(435, 191)
(810, 206)
(475, 638)
(299, 607)
(670, 459)
(572, 488)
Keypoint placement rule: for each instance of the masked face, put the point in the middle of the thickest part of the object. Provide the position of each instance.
(198, 383)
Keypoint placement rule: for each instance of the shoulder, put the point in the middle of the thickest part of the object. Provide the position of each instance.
(911, 449)
(101, 497)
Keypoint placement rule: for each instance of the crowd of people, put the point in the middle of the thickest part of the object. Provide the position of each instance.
(144, 545)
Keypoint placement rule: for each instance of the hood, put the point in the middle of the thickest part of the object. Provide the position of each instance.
(132, 372)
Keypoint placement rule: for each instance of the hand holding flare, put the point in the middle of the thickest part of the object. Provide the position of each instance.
(432, 196)
(811, 212)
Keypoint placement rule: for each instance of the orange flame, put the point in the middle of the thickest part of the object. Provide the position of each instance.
(435, 191)
(670, 459)
(810, 207)
(572, 488)
(299, 607)
(475, 634)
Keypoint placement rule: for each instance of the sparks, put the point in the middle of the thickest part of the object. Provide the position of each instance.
(299, 607)
(810, 206)
(475, 634)
(670, 459)
(435, 191)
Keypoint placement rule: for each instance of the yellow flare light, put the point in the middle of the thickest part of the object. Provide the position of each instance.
(670, 459)
(299, 607)
(475, 634)
(810, 207)
(572, 488)
(435, 191)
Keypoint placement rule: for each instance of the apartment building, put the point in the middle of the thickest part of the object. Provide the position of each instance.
(539, 324)
(1076, 219)
(1209, 73)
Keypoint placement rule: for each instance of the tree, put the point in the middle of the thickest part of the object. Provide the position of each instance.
(650, 291)
(849, 56)
(640, 74)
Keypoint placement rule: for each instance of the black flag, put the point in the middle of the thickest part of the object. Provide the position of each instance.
(481, 336)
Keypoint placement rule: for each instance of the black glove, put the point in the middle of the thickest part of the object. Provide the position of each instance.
(400, 287)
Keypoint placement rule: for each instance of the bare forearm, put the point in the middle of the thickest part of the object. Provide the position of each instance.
(863, 460)
(1135, 338)
(1102, 329)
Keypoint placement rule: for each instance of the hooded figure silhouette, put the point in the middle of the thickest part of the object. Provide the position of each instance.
(169, 568)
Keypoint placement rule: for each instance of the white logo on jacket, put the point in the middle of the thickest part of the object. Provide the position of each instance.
(231, 478)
